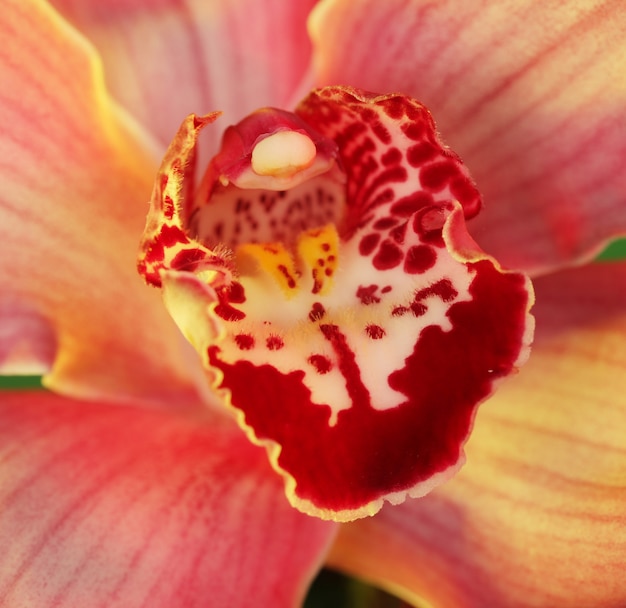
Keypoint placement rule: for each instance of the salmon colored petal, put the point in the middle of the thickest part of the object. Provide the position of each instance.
(531, 95)
(75, 186)
(536, 518)
(167, 58)
(120, 507)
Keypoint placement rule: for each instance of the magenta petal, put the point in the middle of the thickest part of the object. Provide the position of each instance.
(119, 507)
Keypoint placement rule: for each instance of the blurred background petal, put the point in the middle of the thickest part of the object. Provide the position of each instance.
(120, 507)
(530, 94)
(165, 59)
(76, 180)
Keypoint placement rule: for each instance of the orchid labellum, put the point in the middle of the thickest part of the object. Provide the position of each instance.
(322, 269)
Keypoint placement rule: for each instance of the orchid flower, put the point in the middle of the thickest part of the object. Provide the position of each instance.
(129, 483)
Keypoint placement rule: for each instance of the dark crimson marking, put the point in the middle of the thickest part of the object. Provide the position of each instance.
(408, 205)
(389, 255)
(359, 395)
(367, 295)
(386, 289)
(420, 153)
(236, 293)
(370, 452)
(398, 233)
(317, 283)
(394, 107)
(285, 272)
(392, 157)
(368, 243)
(187, 259)
(274, 343)
(325, 247)
(229, 313)
(415, 130)
(418, 309)
(384, 223)
(168, 205)
(321, 262)
(317, 312)
(375, 332)
(321, 364)
(466, 193)
(419, 258)
(244, 341)
(328, 272)
(442, 289)
(437, 175)
(398, 311)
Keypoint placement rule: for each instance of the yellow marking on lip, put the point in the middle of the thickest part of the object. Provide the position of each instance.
(276, 260)
(318, 249)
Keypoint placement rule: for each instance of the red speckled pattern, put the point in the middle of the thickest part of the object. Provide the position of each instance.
(356, 342)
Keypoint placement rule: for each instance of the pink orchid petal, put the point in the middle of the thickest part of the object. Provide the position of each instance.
(75, 182)
(536, 517)
(356, 351)
(121, 507)
(164, 59)
(530, 94)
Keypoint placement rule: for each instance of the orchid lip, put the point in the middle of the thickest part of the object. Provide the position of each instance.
(339, 304)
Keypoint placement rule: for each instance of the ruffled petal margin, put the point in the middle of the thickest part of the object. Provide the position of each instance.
(117, 507)
(167, 58)
(536, 517)
(75, 182)
(530, 95)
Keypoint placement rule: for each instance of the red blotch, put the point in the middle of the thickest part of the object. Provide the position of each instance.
(321, 364)
(392, 157)
(367, 295)
(437, 175)
(187, 259)
(236, 293)
(170, 235)
(317, 312)
(368, 243)
(418, 309)
(291, 282)
(385, 223)
(443, 289)
(408, 205)
(375, 332)
(420, 153)
(274, 343)
(244, 341)
(389, 255)
(419, 258)
(370, 452)
(229, 313)
(467, 194)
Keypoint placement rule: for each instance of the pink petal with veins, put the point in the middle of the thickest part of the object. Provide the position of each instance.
(349, 320)
(536, 518)
(112, 507)
(75, 179)
(166, 58)
(531, 95)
